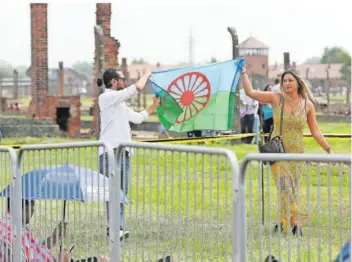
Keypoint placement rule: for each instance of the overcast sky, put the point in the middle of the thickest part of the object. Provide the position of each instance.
(158, 30)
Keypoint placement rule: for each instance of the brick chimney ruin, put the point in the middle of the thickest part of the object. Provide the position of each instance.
(61, 110)
(39, 59)
(111, 50)
(112, 45)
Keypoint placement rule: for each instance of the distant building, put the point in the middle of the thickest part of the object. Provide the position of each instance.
(7, 87)
(256, 54)
(316, 74)
(134, 71)
(74, 82)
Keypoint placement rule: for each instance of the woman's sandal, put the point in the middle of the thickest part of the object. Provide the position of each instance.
(277, 229)
(296, 230)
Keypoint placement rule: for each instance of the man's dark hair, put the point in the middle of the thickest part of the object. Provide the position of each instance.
(277, 81)
(108, 75)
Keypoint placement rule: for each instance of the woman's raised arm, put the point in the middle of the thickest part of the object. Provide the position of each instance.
(263, 97)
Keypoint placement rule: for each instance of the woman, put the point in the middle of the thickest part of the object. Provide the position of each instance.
(298, 109)
(265, 112)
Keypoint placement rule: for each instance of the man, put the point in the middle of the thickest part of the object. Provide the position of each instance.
(256, 123)
(276, 87)
(115, 116)
(247, 111)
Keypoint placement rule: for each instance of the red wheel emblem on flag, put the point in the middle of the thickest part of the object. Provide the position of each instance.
(192, 92)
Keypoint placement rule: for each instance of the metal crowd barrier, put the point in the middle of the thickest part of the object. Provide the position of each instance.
(8, 176)
(73, 192)
(181, 203)
(66, 193)
(314, 193)
(180, 200)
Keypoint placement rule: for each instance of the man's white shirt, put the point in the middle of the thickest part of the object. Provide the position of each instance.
(276, 88)
(248, 104)
(115, 116)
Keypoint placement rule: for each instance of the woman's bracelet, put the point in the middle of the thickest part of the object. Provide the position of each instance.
(328, 149)
(244, 72)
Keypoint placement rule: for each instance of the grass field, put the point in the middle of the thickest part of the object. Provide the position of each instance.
(182, 205)
(336, 128)
(87, 102)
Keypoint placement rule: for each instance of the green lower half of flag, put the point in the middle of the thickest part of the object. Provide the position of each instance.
(169, 110)
(216, 115)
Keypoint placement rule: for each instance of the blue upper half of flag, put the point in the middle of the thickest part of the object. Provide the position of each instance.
(221, 76)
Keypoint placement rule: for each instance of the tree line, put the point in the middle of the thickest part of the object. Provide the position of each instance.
(335, 55)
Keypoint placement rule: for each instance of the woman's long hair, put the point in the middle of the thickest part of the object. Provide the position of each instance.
(303, 85)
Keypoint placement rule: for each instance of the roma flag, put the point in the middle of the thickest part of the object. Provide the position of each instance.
(197, 97)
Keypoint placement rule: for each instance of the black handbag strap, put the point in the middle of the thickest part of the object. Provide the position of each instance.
(282, 102)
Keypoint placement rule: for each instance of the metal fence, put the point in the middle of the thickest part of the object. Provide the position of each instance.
(180, 200)
(181, 203)
(311, 191)
(8, 176)
(184, 202)
(68, 197)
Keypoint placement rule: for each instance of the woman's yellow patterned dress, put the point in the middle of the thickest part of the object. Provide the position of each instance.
(287, 174)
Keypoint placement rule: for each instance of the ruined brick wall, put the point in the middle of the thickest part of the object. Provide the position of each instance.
(39, 58)
(71, 102)
(111, 50)
(112, 45)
